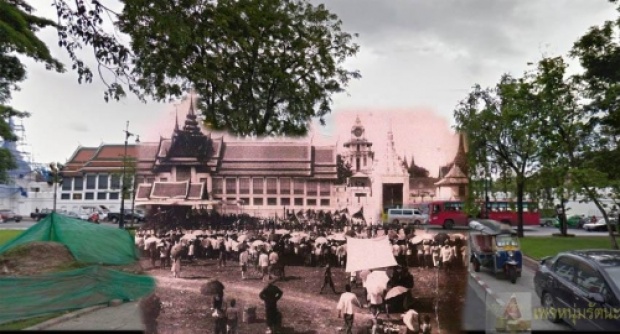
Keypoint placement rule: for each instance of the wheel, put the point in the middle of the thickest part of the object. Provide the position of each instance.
(115, 220)
(476, 264)
(549, 306)
(448, 224)
(17, 220)
(512, 274)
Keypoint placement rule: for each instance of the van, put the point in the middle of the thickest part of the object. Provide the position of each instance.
(406, 217)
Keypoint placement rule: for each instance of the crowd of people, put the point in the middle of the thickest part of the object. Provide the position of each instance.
(266, 247)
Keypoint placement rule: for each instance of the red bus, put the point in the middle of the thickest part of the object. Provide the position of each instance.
(450, 213)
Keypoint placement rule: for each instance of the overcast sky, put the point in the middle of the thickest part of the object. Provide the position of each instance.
(415, 55)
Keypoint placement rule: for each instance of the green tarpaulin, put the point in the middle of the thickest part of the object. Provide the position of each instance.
(87, 242)
(26, 297)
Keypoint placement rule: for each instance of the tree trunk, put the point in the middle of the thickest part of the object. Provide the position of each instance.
(520, 193)
(612, 238)
(562, 218)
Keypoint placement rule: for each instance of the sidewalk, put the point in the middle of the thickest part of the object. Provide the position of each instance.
(122, 317)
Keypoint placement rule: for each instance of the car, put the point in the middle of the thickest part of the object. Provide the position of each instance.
(581, 282)
(8, 215)
(38, 215)
(547, 222)
(600, 225)
(138, 216)
(574, 221)
(72, 214)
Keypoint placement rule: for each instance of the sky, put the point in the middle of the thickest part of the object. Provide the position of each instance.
(418, 59)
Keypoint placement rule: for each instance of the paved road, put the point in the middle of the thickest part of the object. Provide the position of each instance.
(123, 317)
(524, 292)
(474, 310)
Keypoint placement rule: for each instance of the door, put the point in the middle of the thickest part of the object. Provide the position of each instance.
(589, 281)
(562, 285)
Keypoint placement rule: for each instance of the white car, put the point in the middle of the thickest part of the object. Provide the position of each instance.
(600, 225)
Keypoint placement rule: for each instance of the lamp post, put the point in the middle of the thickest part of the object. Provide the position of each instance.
(55, 169)
(121, 221)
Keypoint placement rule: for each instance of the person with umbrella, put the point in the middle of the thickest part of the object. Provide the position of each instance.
(327, 279)
(270, 295)
(345, 306)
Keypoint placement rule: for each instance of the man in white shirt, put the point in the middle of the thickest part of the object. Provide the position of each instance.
(447, 255)
(345, 306)
(263, 263)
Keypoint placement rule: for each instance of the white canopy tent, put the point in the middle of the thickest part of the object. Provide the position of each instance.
(366, 254)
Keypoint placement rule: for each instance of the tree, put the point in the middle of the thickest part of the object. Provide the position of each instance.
(260, 67)
(502, 126)
(17, 37)
(417, 171)
(343, 169)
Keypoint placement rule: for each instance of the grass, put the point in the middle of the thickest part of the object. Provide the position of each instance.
(6, 235)
(26, 323)
(539, 247)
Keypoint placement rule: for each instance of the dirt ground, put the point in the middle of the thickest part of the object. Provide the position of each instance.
(437, 293)
(35, 258)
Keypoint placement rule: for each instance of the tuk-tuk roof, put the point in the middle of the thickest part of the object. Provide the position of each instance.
(491, 227)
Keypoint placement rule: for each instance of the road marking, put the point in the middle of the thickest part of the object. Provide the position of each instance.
(487, 289)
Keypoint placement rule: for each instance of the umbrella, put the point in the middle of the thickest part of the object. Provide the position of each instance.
(300, 234)
(457, 236)
(321, 240)
(189, 237)
(151, 240)
(282, 231)
(337, 237)
(176, 250)
(295, 240)
(242, 238)
(442, 237)
(257, 243)
(377, 281)
(212, 287)
(395, 292)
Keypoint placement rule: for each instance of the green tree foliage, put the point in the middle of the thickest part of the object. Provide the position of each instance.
(343, 169)
(260, 67)
(17, 38)
(502, 132)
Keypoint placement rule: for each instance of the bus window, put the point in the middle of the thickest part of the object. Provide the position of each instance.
(436, 208)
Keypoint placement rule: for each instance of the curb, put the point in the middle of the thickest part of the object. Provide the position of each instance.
(65, 317)
(530, 263)
(486, 288)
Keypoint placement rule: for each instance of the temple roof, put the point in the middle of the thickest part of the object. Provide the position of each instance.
(460, 159)
(454, 177)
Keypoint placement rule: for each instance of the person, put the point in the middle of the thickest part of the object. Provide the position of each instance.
(219, 313)
(232, 317)
(222, 255)
(376, 300)
(426, 328)
(263, 263)
(271, 294)
(176, 266)
(190, 252)
(327, 279)
(163, 254)
(243, 262)
(273, 263)
(345, 307)
(436, 250)
(412, 321)
(447, 255)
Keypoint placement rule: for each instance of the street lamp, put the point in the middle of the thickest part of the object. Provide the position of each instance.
(55, 168)
(121, 221)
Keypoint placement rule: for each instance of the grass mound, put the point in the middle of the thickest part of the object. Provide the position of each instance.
(35, 258)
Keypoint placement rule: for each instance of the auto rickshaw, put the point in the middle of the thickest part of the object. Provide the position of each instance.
(495, 246)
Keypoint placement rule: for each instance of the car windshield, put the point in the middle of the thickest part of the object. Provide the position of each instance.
(614, 273)
(504, 240)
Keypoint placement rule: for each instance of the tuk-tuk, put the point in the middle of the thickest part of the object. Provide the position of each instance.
(495, 246)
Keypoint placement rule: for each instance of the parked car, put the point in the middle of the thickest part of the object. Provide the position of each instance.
(581, 282)
(600, 225)
(8, 215)
(138, 215)
(548, 222)
(38, 215)
(72, 214)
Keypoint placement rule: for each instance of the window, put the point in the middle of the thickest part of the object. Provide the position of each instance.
(325, 188)
(564, 268)
(115, 182)
(272, 186)
(183, 173)
(436, 209)
(396, 212)
(77, 196)
(101, 196)
(298, 187)
(454, 206)
(299, 201)
(324, 202)
(91, 181)
(66, 183)
(65, 196)
(244, 185)
(103, 181)
(244, 201)
(589, 280)
(203, 180)
(257, 185)
(272, 201)
(218, 185)
(163, 179)
(285, 185)
(285, 201)
(114, 196)
(150, 180)
(78, 183)
(311, 201)
(89, 196)
(407, 212)
(231, 185)
(311, 189)
(258, 201)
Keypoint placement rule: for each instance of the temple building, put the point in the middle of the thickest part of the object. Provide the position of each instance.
(453, 181)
